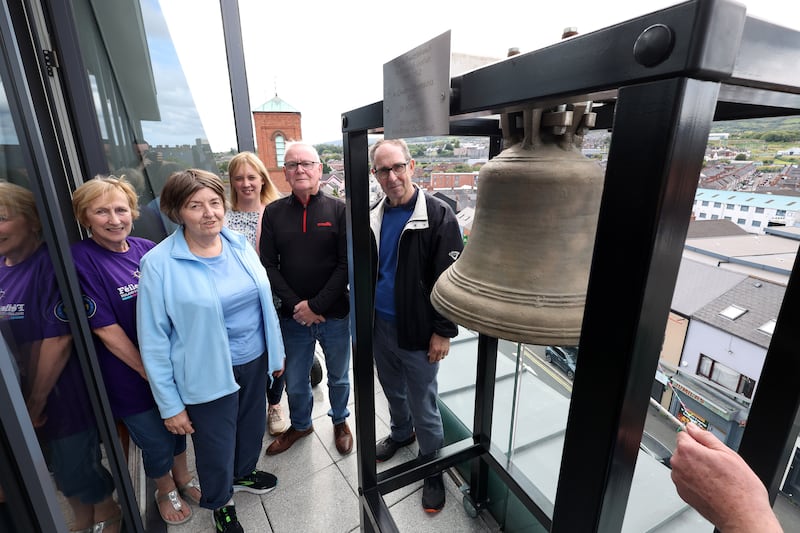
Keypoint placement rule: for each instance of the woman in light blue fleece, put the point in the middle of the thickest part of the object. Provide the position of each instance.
(209, 338)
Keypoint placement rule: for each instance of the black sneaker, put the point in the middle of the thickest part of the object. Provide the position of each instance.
(433, 494)
(256, 482)
(386, 448)
(225, 520)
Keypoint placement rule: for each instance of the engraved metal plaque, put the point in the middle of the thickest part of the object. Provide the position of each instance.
(416, 91)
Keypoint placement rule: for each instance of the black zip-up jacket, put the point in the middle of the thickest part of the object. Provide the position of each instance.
(429, 243)
(304, 249)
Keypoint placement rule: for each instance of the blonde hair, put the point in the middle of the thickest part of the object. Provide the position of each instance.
(269, 192)
(18, 200)
(97, 187)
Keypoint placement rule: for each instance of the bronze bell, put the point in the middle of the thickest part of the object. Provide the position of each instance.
(524, 272)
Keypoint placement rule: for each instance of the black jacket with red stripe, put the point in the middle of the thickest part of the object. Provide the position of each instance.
(304, 249)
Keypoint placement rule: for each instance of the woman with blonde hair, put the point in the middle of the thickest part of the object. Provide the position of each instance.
(108, 267)
(251, 191)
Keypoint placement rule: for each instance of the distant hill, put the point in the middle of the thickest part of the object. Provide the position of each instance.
(757, 124)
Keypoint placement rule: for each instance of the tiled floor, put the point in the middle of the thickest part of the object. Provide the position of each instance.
(317, 488)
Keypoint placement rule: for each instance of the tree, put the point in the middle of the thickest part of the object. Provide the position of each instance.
(740, 157)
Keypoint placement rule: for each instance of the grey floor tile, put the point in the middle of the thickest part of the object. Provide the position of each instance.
(251, 512)
(409, 515)
(306, 457)
(322, 502)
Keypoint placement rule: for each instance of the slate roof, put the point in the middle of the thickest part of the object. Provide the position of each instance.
(761, 299)
(699, 284)
(713, 228)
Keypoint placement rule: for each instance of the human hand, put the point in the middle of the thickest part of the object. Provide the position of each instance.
(279, 373)
(304, 316)
(719, 484)
(179, 424)
(438, 348)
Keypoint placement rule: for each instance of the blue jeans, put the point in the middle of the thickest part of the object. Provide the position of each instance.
(299, 342)
(158, 445)
(409, 383)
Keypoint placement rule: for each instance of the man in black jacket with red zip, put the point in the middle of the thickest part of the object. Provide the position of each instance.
(304, 249)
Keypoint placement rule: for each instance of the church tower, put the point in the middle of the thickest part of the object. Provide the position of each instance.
(276, 124)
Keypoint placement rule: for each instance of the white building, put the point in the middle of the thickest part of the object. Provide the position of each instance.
(750, 211)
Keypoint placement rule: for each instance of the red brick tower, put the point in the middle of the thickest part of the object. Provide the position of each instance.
(277, 123)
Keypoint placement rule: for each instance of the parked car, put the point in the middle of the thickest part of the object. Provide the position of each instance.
(564, 357)
(656, 449)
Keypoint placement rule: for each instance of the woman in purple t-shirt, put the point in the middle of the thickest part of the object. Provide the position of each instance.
(108, 268)
(37, 331)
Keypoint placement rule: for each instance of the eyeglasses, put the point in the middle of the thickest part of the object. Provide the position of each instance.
(291, 166)
(383, 173)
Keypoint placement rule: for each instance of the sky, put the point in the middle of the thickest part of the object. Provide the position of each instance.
(324, 59)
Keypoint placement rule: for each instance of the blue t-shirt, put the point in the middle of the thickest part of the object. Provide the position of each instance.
(394, 220)
(240, 305)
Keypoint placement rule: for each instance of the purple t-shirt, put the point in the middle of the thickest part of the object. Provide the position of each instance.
(31, 310)
(110, 284)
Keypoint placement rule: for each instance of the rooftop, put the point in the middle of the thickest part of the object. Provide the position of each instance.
(276, 105)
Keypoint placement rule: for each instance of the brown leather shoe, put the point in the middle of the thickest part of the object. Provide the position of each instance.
(286, 439)
(343, 438)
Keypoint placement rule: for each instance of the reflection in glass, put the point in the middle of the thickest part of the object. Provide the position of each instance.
(146, 111)
(35, 326)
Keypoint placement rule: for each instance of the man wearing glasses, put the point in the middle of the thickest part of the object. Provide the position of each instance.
(304, 249)
(415, 238)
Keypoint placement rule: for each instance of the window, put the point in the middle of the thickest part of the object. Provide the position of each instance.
(280, 149)
(756, 223)
(705, 203)
(744, 208)
(780, 213)
(740, 221)
(703, 215)
(767, 327)
(733, 312)
(714, 217)
(759, 209)
(725, 376)
(729, 206)
(717, 204)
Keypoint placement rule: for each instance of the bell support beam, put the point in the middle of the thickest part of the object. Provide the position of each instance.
(656, 153)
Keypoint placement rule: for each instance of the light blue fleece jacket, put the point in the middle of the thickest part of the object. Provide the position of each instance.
(182, 335)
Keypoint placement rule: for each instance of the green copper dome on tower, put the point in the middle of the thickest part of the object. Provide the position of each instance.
(276, 105)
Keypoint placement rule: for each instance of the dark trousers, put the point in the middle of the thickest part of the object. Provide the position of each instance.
(228, 433)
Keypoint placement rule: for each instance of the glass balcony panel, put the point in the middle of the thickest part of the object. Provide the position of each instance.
(36, 328)
(142, 64)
